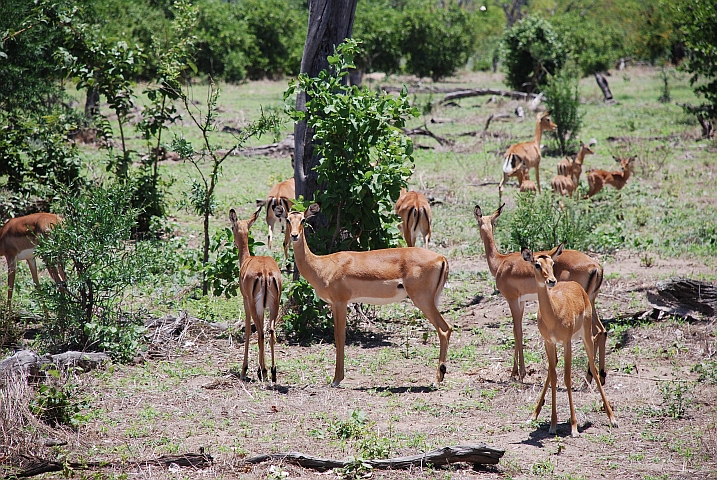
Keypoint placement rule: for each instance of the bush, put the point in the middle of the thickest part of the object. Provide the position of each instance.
(378, 28)
(562, 97)
(101, 265)
(593, 46)
(308, 315)
(437, 41)
(531, 51)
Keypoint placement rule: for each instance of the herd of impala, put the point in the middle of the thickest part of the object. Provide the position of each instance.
(564, 282)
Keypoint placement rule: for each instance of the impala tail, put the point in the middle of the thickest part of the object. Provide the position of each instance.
(509, 164)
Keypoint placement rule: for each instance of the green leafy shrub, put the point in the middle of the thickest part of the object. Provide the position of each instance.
(87, 313)
(437, 40)
(541, 222)
(595, 46)
(531, 51)
(308, 315)
(562, 97)
(378, 28)
(57, 404)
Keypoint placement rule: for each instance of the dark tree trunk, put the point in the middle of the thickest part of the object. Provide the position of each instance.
(602, 83)
(92, 103)
(330, 22)
(513, 12)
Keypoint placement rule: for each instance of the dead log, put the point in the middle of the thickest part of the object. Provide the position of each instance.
(474, 92)
(29, 363)
(495, 116)
(685, 298)
(425, 131)
(29, 466)
(479, 454)
(284, 147)
(602, 83)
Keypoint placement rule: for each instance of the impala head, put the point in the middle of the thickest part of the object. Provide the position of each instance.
(296, 221)
(487, 222)
(585, 149)
(543, 264)
(625, 162)
(241, 227)
(546, 124)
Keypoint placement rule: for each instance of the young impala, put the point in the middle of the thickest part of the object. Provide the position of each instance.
(514, 280)
(376, 277)
(260, 285)
(573, 168)
(526, 152)
(599, 178)
(564, 312)
(18, 239)
(415, 213)
(282, 194)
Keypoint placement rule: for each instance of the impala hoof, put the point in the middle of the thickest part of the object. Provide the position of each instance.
(273, 374)
(441, 372)
(335, 384)
(603, 377)
(261, 374)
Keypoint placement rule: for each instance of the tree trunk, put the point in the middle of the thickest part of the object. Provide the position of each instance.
(92, 103)
(330, 22)
(602, 83)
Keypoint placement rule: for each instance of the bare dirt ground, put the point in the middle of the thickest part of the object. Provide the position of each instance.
(188, 397)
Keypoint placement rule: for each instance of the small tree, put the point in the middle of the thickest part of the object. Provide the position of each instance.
(101, 265)
(531, 52)
(201, 197)
(562, 96)
(365, 158)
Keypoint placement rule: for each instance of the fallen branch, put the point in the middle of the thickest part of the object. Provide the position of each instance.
(474, 454)
(425, 131)
(31, 364)
(475, 92)
(685, 298)
(284, 147)
(32, 465)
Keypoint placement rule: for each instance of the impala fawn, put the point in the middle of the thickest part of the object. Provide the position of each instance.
(597, 179)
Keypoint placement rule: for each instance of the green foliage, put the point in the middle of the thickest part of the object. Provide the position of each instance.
(378, 28)
(594, 45)
(88, 312)
(541, 222)
(366, 159)
(697, 22)
(57, 405)
(436, 40)
(353, 427)
(677, 396)
(562, 97)
(308, 315)
(531, 51)
(222, 272)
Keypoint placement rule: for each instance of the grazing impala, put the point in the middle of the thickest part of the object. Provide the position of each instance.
(260, 285)
(376, 277)
(514, 280)
(526, 184)
(563, 185)
(564, 312)
(415, 213)
(280, 194)
(527, 152)
(599, 178)
(18, 239)
(573, 168)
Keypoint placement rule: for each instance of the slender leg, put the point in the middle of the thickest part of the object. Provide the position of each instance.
(537, 174)
(259, 322)
(516, 311)
(589, 349)
(568, 379)
(247, 335)
(551, 350)
(429, 309)
(338, 311)
(273, 314)
(11, 270)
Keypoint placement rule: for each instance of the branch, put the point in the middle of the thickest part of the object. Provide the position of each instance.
(425, 131)
(476, 454)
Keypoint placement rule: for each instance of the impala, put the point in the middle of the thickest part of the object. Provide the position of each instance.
(514, 280)
(280, 194)
(599, 178)
(415, 213)
(573, 168)
(524, 181)
(563, 185)
(527, 152)
(18, 239)
(260, 285)
(564, 312)
(376, 277)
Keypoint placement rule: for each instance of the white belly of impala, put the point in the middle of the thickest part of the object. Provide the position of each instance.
(26, 254)
(400, 295)
(378, 293)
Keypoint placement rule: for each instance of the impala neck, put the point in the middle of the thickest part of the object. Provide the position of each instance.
(305, 260)
(581, 156)
(491, 251)
(626, 172)
(545, 302)
(242, 243)
(538, 135)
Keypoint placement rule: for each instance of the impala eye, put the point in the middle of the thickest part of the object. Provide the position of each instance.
(537, 265)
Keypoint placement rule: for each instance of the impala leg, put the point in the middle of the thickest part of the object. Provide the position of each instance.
(568, 379)
(273, 314)
(11, 271)
(551, 350)
(537, 175)
(541, 399)
(287, 233)
(338, 310)
(590, 350)
(516, 310)
(599, 337)
(270, 220)
(429, 309)
(259, 322)
(247, 335)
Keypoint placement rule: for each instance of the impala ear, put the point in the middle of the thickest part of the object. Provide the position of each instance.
(527, 254)
(313, 209)
(260, 203)
(498, 211)
(232, 216)
(555, 252)
(478, 213)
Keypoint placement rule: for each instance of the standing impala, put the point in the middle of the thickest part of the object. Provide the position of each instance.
(573, 168)
(280, 194)
(376, 277)
(260, 285)
(18, 239)
(564, 312)
(415, 213)
(527, 152)
(514, 280)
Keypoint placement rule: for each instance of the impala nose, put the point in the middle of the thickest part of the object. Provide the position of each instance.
(294, 238)
(551, 283)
